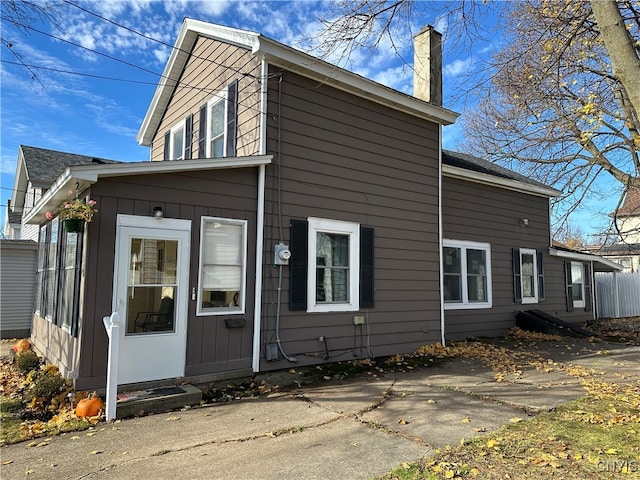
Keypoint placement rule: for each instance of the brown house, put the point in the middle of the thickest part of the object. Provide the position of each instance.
(292, 213)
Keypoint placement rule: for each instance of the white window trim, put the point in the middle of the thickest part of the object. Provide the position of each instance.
(465, 304)
(174, 129)
(338, 227)
(223, 96)
(578, 303)
(240, 309)
(534, 299)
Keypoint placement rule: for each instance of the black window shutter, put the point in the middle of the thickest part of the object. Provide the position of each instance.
(569, 288)
(366, 267)
(299, 231)
(188, 136)
(232, 118)
(587, 287)
(202, 132)
(517, 285)
(167, 145)
(540, 276)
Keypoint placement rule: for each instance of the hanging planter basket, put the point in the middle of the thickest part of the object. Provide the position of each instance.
(73, 225)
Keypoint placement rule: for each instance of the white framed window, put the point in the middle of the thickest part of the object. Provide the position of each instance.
(216, 125)
(177, 139)
(577, 284)
(466, 274)
(528, 275)
(223, 266)
(333, 266)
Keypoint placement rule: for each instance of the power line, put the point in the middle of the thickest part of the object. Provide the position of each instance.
(172, 47)
(69, 72)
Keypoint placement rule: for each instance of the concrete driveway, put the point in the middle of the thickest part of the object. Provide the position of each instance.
(355, 428)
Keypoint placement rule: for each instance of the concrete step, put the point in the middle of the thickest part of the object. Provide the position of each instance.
(156, 400)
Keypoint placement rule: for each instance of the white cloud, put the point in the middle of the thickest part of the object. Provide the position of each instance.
(458, 67)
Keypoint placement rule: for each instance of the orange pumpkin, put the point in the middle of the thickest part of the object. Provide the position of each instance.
(22, 346)
(90, 406)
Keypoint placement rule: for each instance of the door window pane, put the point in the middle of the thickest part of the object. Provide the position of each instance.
(152, 286)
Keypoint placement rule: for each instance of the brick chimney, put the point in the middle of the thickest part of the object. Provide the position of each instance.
(427, 65)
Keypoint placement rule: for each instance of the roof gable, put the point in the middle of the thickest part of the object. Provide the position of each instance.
(631, 205)
(278, 54)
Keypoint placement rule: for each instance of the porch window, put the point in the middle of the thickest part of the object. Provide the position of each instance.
(58, 275)
(223, 258)
(467, 274)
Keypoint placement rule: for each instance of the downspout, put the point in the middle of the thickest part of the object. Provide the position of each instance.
(257, 309)
(442, 339)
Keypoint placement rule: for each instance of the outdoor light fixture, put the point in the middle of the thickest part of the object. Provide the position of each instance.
(158, 213)
(524, 222)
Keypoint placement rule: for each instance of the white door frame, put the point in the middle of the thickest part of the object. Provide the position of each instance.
(151, 356)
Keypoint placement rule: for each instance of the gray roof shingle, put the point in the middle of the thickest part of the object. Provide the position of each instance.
(477, 164)
(43, 166)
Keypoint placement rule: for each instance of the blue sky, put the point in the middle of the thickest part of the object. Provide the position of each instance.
(98, 113)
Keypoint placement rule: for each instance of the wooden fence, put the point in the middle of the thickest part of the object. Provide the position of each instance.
(618, 294)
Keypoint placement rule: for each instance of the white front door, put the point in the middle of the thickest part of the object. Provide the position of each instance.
(151, 296)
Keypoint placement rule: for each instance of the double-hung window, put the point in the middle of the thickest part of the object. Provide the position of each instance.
(332, 275)
(223, 259)
(528, 275)
(466, 274)
(218, 124)
(578, 281)
(217, 121)
(577, 284)
(177, 142)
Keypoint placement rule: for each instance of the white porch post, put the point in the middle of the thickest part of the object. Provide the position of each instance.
(112, 325)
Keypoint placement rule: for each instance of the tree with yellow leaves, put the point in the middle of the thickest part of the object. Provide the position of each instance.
(559, 100)
(564, 98)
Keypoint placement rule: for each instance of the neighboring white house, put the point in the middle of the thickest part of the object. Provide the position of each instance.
(626, 250)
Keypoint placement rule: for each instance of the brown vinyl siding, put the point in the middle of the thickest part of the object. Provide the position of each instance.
(212, 66)
(211, 347)
(481, 213)
(344, 158)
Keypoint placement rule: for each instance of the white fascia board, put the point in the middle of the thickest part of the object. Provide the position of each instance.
(82, 176)
(585, 257)
(492, 180)
(180, 54)
(306, 65)
(20, 183)
(282, 56)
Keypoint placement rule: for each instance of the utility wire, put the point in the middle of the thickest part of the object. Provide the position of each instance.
(135, 32)
(69, 72)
